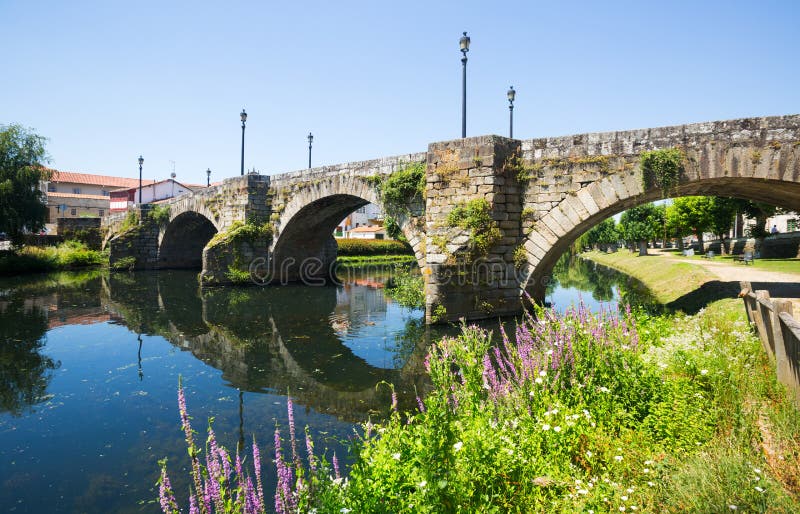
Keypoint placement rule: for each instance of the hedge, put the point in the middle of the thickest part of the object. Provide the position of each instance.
(373, 247)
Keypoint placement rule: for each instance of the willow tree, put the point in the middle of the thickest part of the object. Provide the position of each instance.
(23, 204)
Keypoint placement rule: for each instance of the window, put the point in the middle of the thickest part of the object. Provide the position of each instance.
(73, 212)
(378, 236)
(792, 225)
(76, 190)
(361, 210)
(101, 212)
(51, 188)
(106, 193)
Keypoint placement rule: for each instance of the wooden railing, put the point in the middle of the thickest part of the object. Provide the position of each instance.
(779, 333)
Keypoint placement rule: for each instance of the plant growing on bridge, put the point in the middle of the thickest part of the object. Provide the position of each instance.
(662, 168)
(403, 187)
(476, 216)
(240, 232)
(159, 214)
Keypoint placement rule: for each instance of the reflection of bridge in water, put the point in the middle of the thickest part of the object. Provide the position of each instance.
(279, 340)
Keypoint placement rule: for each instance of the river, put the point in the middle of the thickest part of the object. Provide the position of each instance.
(89, 367)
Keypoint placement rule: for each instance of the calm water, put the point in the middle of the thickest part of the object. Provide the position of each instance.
(89, 366)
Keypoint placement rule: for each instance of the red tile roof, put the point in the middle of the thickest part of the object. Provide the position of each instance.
(99, 180)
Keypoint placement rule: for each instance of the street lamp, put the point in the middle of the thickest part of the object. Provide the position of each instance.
(511, 95)
(243, 115)
(310, 140)
(208, 177)
(464, 44)
(141, 161)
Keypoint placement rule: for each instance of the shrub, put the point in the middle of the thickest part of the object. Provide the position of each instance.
(476, 216)
(662, 168)
(407, 288)
(404, 186)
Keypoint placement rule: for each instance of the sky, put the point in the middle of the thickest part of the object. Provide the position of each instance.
(108, 81)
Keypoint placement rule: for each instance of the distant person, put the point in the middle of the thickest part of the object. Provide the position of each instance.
(774, 229)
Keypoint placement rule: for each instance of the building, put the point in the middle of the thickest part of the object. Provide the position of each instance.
(125, 197)
(370, 214)
(367, 232)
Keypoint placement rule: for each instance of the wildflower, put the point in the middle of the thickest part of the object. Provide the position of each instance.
(396, 456)
(704, 372)
(629, 490)
(589, 454)
(344, 510)
(556, 429)
(538, 381)
(646, 470)
(458, 445)
(623, 498)
(760, 489)
(732, 507)
(583, 491)
(542, 373)
(622, 508)
(545, 427)
(603, 389)
(422, 484)
(633, 507)
(757, 471)
(618, 458)
(651, 484)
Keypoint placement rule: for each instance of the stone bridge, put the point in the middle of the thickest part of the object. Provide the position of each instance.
(495, 216)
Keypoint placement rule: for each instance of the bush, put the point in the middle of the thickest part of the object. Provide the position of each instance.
(68, 255)
(373, 247)
(407, 288)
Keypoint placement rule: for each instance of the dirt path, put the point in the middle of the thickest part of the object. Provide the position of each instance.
(734, 272)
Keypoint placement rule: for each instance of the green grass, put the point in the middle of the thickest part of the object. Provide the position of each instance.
(359, 261)
(350, 247)
(668, 280)
(777, 265)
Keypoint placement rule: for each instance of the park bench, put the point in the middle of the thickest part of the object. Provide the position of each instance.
(746, 258)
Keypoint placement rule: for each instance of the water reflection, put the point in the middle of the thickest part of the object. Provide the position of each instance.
(576, 279)
(328, 346)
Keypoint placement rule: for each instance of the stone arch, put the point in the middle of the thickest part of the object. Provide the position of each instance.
(182, 240)
(306, 224)
(737, 172)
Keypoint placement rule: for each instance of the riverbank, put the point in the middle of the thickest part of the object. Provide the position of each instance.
(71, 255)
(689, 283)
(606, 412)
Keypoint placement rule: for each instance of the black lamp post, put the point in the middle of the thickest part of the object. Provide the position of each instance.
(141, 161)
(464, 44)
(208, 177)
(310, 140)
(511, 95)
(243, 115)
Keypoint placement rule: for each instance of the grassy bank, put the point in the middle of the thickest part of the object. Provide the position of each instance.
(613, 412)
(361, 261)
(354, 247)
(70, 255)
(667, 280)
(777, 265)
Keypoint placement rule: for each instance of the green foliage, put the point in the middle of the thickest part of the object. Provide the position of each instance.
(403, 186)
(604, 232)
(520, 257)
(641, 223)
(23, 205)
(159, 214)
(407, 288)
(237, 276)
(662, 168)
(240, 232)
(68, 255)
(393, 228)
(124, 264)
(348, 247)
(476, 216)
(360, 261)
(439, 314)
(131, 220)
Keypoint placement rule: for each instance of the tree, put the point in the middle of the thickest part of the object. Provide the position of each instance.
(23, 205)
(641, 224)
(695, 212)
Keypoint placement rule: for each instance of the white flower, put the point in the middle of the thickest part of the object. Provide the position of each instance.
(732, 507)
(583, 491)
(556, 429)
(542, 373)
(646, 470)
(703, 371)
(618, 458)
(758, 471)
(458, 446)
(623, 498)
(649, 462)
(604, 389)
(545, 427)
(422, 484)
(634, 507)
(651, 484)
(344, 510)
(622, 508)
(538, 381)
(396, 456)
(759, 489)
(589, 454)
(629, 490)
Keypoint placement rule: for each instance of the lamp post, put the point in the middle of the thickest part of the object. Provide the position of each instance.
(208, 177)
(141, 161)
(243, 115)
(511, 95)
(310, 140)
(464, 44)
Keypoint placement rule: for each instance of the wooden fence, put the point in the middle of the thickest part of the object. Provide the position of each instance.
(779, 333)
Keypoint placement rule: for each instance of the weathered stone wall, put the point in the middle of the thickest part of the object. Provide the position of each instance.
(775, 246)
(463, 280)
(86, 230)
(139, 242)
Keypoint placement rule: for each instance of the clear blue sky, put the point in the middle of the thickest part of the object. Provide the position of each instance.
(107, 81)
